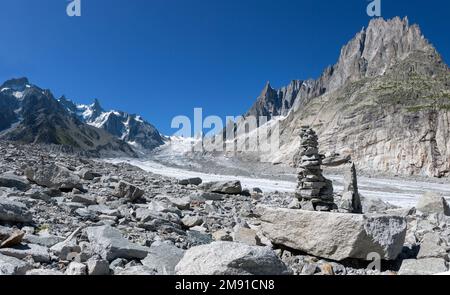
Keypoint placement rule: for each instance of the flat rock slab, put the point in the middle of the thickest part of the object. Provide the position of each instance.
(229, 258)
(110, 244)
(12, 211)
(223, 187)
(13, 181)
(39, 253)
(53, 176)
(426, 266)
(335, 236)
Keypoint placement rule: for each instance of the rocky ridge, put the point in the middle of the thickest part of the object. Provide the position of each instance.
(29, 114)
(384, 103)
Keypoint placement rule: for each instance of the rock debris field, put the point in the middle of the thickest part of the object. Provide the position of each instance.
(63, 214)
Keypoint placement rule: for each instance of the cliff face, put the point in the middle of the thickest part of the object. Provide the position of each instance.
(386, 103)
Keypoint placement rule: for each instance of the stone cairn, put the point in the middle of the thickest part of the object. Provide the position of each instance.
(314, 191)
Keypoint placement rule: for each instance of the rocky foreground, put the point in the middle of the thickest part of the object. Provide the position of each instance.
(63, 214)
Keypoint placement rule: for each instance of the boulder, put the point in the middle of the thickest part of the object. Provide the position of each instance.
(13, 181)
(192, 181)
(39, 253)
(110, 244)
(84, 199)
(12, 266)
(128, 191)
(432, 246)
(223, 187)
(76, 269)
(181, 203)
(88, 174)
(222, 235)
(162, 258)
(431, 203)
(64, 248)
(97, 267)
(427, 266)
(53, 176)
(247, 236)
(11, 211)
(191, 221)
(228, 258)
(335, 236)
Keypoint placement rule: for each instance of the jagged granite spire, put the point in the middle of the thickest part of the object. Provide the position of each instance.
(370, 53)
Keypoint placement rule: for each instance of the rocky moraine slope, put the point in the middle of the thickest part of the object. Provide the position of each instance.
(65, 214)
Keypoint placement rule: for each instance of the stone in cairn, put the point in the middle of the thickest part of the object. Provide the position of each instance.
(314, 191)
(351, 201)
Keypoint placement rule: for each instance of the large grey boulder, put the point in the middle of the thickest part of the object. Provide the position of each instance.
(229, 258)
(110, 244)
(128, 191)
(162, 258)
(39, 253)
(53, 176)
(335, 236)
(12, 211)
(13, 181)
(98, 267)
(427, 266)
(13, 266)
(223, 187)
(192, 181)
(431, 203)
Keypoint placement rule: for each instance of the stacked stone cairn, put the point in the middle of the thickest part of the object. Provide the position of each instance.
(315, 192)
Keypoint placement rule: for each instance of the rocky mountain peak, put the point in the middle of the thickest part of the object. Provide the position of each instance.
(376, 48)
(372, 52)
(17, 84)
(96, 108)
(267, 89)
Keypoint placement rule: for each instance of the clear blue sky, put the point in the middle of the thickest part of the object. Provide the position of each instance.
(162, 58)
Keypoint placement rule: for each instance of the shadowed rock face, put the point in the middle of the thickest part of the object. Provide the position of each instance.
(385, 102)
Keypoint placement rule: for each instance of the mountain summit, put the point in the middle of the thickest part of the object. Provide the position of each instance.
(370, 53)
(30, 114)
(385, 103)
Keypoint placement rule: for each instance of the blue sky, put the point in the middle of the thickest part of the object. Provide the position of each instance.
(163, 58)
